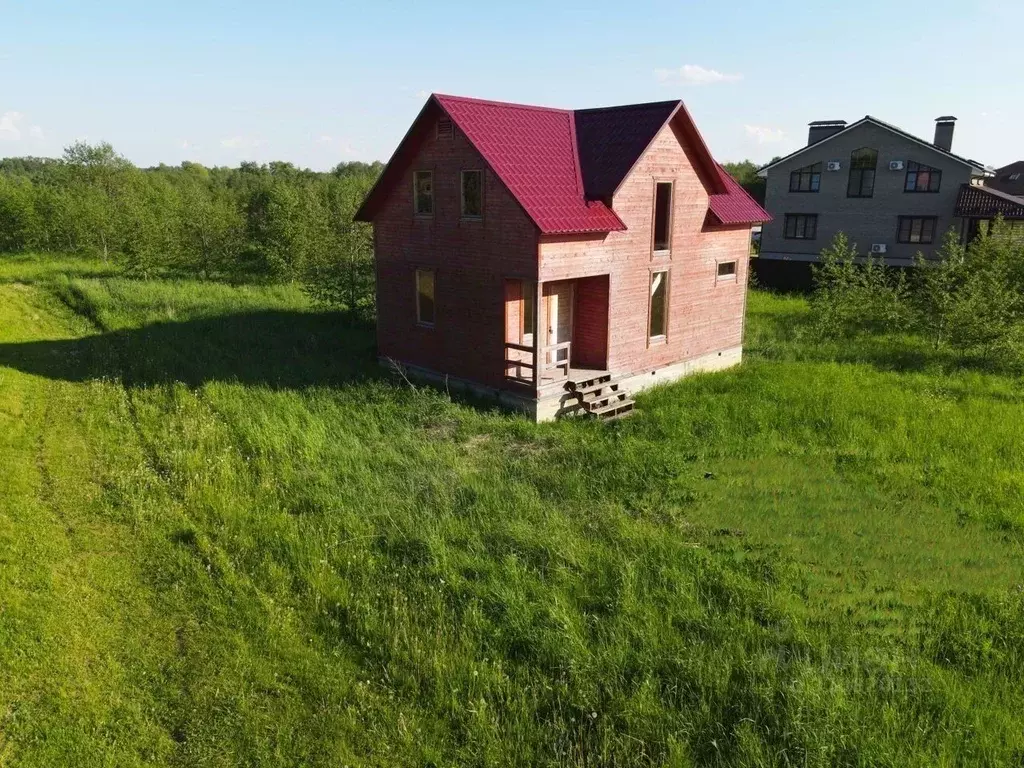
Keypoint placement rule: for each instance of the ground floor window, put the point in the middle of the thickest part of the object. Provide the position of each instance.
(425, 307)
(801, 226)
(726, 269)
(659, 305)
(916, 229)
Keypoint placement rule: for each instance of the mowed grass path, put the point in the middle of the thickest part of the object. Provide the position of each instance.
(227, 538)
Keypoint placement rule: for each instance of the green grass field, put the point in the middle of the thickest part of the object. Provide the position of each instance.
(227, 538)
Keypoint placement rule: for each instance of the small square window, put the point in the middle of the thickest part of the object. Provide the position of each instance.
(472, 194)
(425, 307)
(423, 193)
(726, 270)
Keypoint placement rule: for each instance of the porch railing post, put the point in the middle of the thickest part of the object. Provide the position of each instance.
(538, 364)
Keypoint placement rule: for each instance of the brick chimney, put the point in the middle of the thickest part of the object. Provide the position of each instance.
(944, 132)
(822, 129)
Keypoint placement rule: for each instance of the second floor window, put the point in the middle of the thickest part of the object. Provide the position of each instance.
(916, 229)
(423, 193)
(801, 226)
(862, 173)
(662, 216)
(922, 178)
(472, 194)
(806, 179)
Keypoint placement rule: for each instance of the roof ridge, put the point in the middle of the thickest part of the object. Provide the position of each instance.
(638, 105)
(491, 102)
(575, 146)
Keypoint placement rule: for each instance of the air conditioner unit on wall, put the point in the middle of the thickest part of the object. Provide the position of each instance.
(878, 248)
(833, 165)
(895, 165)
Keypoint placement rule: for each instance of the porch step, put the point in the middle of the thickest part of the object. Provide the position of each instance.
(602, 397)
(586, 387)
(615, 410)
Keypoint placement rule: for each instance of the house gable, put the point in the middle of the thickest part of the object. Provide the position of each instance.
(802, 156)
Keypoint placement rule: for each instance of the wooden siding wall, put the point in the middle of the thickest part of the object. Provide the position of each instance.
(705, 314)
(471, 260)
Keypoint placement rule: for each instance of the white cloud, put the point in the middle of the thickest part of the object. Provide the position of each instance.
(335, 144)
(10, 126)
(764, 134)
(423, 94)
(243, 142)
(36, 133)
(694, 74)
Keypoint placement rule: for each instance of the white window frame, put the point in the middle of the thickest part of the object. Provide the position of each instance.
(462, 194)
(416, 193)
(416, 286)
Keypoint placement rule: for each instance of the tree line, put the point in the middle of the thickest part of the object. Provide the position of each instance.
(272, 222)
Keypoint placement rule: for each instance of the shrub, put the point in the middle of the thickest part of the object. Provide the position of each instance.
(854, 294)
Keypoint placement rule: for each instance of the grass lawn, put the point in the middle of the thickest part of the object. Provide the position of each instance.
(227, 538)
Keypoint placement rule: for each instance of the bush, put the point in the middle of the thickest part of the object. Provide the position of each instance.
(969, 301)
(851, 297)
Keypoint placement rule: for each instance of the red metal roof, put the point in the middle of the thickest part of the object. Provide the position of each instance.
(736, 206)
(533, 151)
(561, 166)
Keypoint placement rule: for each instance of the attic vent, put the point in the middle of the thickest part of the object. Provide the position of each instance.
(445, 129)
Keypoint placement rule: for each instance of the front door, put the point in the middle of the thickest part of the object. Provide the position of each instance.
(559, 299)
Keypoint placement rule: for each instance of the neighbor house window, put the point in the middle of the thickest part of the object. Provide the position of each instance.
(425, 308)
(659, 305)
(807, 179)
(423, 192)
(862, 173)
(922, 178)
(472, 194)
(801, 226)
(726, 269)
(662, 216)
(916, 229)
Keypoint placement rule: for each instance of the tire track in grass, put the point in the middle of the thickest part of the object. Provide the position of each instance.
(89, 636)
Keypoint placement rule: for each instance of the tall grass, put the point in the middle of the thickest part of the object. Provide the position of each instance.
(231, 539)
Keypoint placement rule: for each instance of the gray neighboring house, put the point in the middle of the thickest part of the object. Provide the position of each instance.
(892, 193)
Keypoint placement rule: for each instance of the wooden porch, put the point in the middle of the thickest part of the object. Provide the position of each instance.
(555, 332)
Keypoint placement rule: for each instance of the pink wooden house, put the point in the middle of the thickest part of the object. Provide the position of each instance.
(558, 260)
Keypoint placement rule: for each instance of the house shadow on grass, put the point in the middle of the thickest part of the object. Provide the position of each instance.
(281, 350)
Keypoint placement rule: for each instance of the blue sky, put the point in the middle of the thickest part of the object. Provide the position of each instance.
(316, 82)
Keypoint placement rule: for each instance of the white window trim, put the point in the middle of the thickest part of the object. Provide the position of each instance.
(462, 194)
(415, 193)
(416, 286)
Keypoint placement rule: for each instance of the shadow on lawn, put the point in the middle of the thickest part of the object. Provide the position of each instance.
(286, 350)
